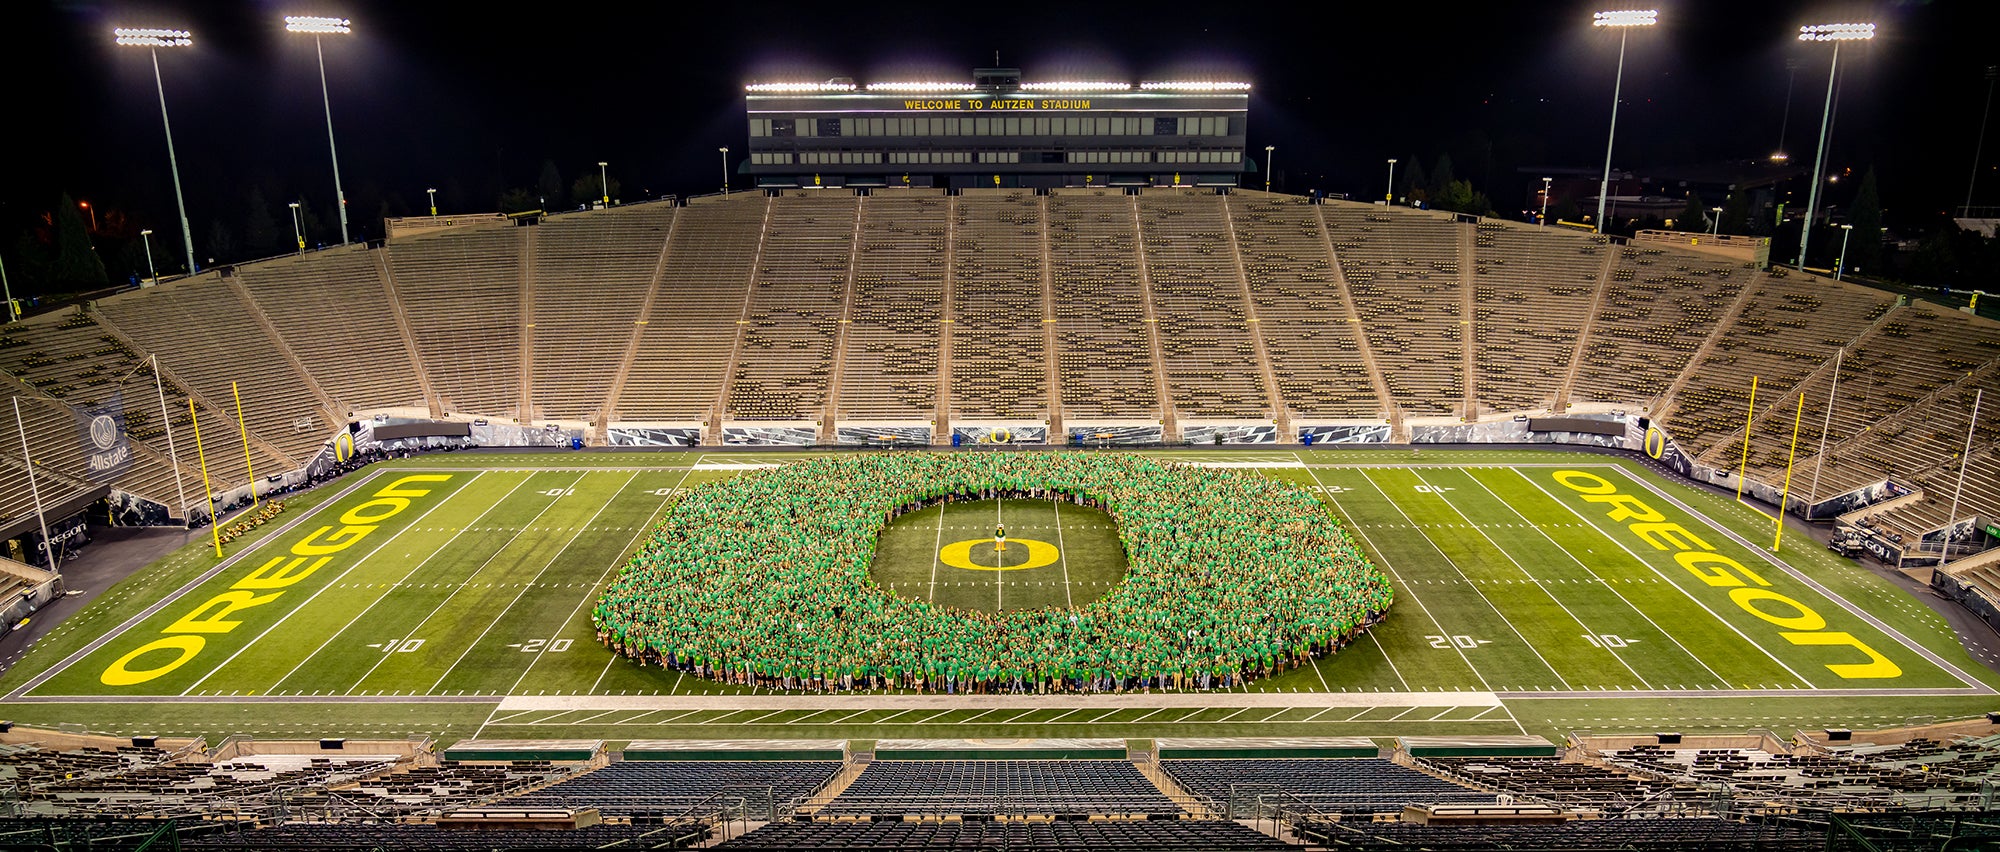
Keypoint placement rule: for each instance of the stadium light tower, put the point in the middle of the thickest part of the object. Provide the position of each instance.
(1389, 198)
(153, 39)
(604, 181)
(725, 169)
(1623, 21)
(317, 27)
(297, 233)
(1791, 77)
(1992, 72)
(1269, 153)
(7, 288)
(1840, 268)
(146, 236)
(1545, 200)
(1835, 33)
(433, 193)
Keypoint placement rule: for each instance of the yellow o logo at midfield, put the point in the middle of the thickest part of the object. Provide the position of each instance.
(958, 554)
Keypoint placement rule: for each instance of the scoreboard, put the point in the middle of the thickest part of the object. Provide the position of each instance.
(996, 131)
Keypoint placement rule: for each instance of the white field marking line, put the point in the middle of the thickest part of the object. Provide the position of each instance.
(497, 618)
(937, 554)
(1593, 572)
(191, 585)
(1406, 712)
(1668, 580)
(468, 578)
(1838, 600)
(1468, 580)
(1406, 587)
(1525, 573)
(254, 640)
(644, 528)
(399, 581)
(999, 566)
(1385, 656)
(1062, 556)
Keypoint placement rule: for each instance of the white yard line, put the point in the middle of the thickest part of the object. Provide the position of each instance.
(1668, 580)
(1062, 556)
(643, 529)
(1405, 586)
(1593, 572)
(468, 578)
(328, 585)
(936, 549)
(502, 614)
(1468, 580)
(1542, 587)
(392, 587)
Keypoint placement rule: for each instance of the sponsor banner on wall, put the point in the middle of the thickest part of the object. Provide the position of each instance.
(882, 436)
(101, 431)
(1858, 499)
(1344, 434)
(131, 510)
(1094, 436)
(1231, 433)
(1519, 432)
(664, 436)
(770, 436)
(1659, 446)
(968, 435)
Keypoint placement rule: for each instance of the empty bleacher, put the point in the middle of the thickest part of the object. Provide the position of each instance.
(666, 788)
(1402, 269)
(461, 292)
(999, 366)
(1099, 835)
(330, 308)
(326, 837)
(679, 364)
(1320, 785)
(1001, 787)
(1566, 783)
(889, 369)
(1103, 346)
(1919, 439)
(592, 271)
(1533, 288)
(1314, 350)
(1656, 311)
(784, 360)
(1621, 835)
(1206, 348)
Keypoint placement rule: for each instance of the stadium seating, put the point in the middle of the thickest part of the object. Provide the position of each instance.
(1333, 786)
(593, 271)
(1104, 343)
(1106, 835)
(1919, 773)
(461, 293)
(1534, 289)
(1566, 783)
(784, 361)
(1197, 290)
(328, 308)
(1001, 787)
(998, 341)
(1655, 313)
(359, 836)
(1314, 351)
(1402, 270)
(641, 788)
(1579, 836)
(680, 363)
(889, 363)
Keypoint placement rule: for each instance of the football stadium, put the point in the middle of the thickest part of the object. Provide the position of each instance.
(1000, 464)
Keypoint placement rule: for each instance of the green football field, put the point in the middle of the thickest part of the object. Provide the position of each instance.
(1537, 591)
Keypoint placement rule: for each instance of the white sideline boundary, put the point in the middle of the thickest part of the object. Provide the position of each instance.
(1128, 701)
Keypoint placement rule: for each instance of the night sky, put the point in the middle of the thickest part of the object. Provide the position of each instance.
(473, 98)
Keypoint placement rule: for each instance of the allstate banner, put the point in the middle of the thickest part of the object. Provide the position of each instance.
(106, 451)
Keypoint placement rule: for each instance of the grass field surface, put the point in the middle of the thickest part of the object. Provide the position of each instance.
(1536, 591)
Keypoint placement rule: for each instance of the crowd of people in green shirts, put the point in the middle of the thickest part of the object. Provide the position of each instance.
(763, 579)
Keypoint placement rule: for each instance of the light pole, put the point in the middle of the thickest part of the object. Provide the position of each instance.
(297, 233)
(1992, 71)
(1545, 200)
(1389, 198)
(93, 214)
(318, 27)
(1624, 22)
(1715, 227)
(725, 169)
(154, 39)
(8, 288)
(433, 193)
(1840, 268)
(1269, 154)
(146, 236)
(1835, 33)
(1791, 77)
(604, 181)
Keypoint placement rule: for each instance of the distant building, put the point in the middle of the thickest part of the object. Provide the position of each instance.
(997, 131)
